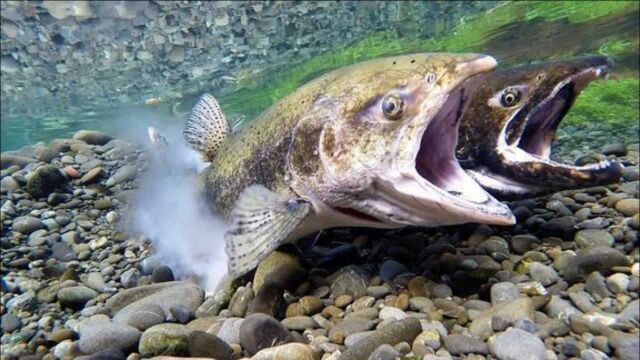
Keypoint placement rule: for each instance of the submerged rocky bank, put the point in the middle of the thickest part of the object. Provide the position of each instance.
(561, 284)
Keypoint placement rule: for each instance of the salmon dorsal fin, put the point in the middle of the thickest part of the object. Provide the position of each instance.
(260, 222)
(206, 127)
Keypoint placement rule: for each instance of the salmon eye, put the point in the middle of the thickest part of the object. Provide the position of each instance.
(510, 97)
(392, 107)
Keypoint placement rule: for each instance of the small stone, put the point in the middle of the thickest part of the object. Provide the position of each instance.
(617, 149)
(293, 351)
(260, 331)
(458, 344)
(546, 275)
(145, 318)
(427, 339)
(75, 297)
(230, 330)
(343, 300)
(350, 282)
(628, 207)
(98, 333)
(504, 292)
(593, 237)
(130, 278)
(92, 137)
(300, 323)
(125, 173)
(405, 330)
(516, 344)
(202, 344)
(27, 224)
(162, 274)
(392, 313)
(45, 180)
(165, 339)
(311, 304)
(390, 269)
(597, 258)
(618, 283)
(282, 269)
(384, 352)
(10, 323)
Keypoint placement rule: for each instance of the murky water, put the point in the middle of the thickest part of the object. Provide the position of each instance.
(75, 67)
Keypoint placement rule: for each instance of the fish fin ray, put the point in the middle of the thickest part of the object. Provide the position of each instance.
(206, 127)
(260, 222)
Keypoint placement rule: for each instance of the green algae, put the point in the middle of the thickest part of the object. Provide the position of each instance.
(614, 101)
(254, 93)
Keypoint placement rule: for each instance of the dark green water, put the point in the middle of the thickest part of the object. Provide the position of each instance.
(44, 97)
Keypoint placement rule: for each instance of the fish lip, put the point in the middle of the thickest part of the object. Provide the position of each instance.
(418, 187)
(524, 150)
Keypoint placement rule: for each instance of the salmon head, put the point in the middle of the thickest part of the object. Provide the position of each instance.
(377, 145)
(508, 129)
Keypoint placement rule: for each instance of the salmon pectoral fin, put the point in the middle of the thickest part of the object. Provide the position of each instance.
(260, 222)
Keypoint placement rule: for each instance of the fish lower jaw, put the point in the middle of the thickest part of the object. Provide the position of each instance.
(514, 154)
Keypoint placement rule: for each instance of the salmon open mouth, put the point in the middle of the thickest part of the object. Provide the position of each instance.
(542, 122)
(436, 161)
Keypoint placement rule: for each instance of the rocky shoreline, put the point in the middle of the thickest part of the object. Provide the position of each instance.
(561, 284)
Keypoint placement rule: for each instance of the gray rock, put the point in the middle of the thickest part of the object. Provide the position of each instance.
(593, 354)
(92, 137)
(10, 323)
(75, 297)
(349, 281)
(559, 308)
(617, 149)
(593, 237)
(349, 326)
(353, 339)
(205, 345)
(106, 354)
(8, 160)
(145, 318)
(230, 330)
(129, 278)
(95, 281)
(125, 173)
(300, 323)
(390, 269)
(405, 330)
(384, 352)
(627, 346)
(546, 275)
(45, 180)
(596, 258)
(240, 301)
(260, 331)
(98, 333)
(516, 344)
(458, 344)
(618, 283)
(177, 293)
(165, 339)
(9, 184)
(162, 274)
(504, 292)
(27, 224)
(596, 286)
(521, 308)
(62, 252)
(523, 243)
(631, 312)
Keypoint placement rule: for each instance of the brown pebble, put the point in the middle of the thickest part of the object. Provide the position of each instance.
(343, 300)
(418, 287)
(70, 171)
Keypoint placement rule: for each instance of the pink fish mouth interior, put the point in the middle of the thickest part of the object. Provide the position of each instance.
(436, 161)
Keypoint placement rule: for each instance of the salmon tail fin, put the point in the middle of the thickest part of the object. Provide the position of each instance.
(260, 222)
(206, 127)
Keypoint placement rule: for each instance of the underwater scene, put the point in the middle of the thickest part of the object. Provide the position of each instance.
(320, 180)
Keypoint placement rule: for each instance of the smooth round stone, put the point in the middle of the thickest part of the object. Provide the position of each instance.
(260, 331)
(343, 300)
(75, 297)
(98, 333)
(546, 275)
(458, 344)
(205, 345)
(45, 180)
(617, 149)
(130, 278)
(282, 269)
(165, 339)
(392, 313)
(618, 283)
(27, 224)
(10, 323)
(378, 291)
(628, 207)
(293, 351)
(390, 269)
(405, 330)
(92, 137)
(311, 304)
(504, 292)
(385, 352)
(597, 258)
(230, 330)
(162, 274)
(428, 339)
(299, 323)
(145, 318)
(441, 291)
(516, 344)
(593, 237)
